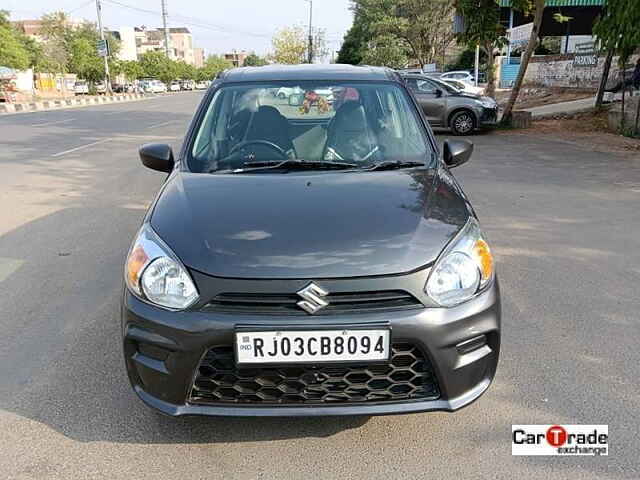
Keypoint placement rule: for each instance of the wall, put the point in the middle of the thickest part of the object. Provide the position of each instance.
(558, 71)
(127, 44)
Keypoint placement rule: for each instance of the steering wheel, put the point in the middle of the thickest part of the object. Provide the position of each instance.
(264, 143)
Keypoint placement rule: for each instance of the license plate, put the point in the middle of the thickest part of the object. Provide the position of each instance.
(312, 346)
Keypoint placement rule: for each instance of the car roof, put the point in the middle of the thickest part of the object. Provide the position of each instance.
(331, 72)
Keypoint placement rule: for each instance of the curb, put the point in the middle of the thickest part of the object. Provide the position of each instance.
(9, 108)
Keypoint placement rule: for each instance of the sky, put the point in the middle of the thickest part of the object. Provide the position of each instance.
(217, 25)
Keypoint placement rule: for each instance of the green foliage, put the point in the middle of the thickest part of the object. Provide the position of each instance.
(16, 49)
(289, 45)
(156, 64)
(12, 52)
(618, 29)
(356, 40)
(131, 69)
(483, 28)
(387, 51)
(465, 61)
(423, 26)
(212, 66)
(254, 60)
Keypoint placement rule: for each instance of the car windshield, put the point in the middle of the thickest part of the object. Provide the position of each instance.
(355, 125)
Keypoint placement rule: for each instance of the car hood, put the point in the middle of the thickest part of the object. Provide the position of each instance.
(309, 225)
(475, 96)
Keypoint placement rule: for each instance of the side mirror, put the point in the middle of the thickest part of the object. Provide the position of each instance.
(457, 152)
(157, 156)
(438, 93)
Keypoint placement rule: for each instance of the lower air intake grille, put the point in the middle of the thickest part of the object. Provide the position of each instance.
(409, 375)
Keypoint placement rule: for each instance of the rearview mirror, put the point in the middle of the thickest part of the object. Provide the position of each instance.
(438, 93)
(157, 156)
(456, 152)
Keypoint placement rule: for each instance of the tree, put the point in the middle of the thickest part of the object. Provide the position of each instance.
(424, 26)
(289, 45)
(617, 30)
(132, 70)
(184, 71)
(156, 64)
(356, 40)
(537, 8)
(16, 49)
(482, 27)
(254, 60)
(212, 67)
(386, 51)
(12, 52)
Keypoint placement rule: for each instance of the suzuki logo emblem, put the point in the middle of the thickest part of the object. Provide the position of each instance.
(312, 298)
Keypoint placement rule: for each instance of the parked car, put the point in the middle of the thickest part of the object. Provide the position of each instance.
(286, 92)
(81, 87)
(458, 75)
(324, 266)
(101, 87)
(448, 107)
(155, 86)
(201, 85)
(188, 85)
(464, 86)
(174, 86)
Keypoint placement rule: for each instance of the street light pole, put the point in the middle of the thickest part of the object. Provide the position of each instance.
(106, 57)
(310, 31)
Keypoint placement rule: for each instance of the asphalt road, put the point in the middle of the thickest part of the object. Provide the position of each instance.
(565, 226)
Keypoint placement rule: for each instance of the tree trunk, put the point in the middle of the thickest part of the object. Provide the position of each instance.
(605, 77)
(635, 126)
(624, 89)
(531, 46)
(490, 91)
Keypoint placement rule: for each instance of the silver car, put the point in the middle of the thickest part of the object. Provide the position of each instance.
(447, 107)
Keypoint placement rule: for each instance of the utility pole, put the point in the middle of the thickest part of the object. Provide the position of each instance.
(165, 15)
(310, 31)
(107, 80)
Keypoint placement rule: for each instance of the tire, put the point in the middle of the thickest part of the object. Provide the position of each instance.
(462, 122)
(281, 96)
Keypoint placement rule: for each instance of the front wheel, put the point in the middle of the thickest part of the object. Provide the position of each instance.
(462, 123)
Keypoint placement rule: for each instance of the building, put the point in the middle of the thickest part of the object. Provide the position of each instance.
(237, 58)
(33, 28)
(127, 37)
(180, 44)
(198, 57)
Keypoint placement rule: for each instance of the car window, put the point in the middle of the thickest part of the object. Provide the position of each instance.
(420, 85)
(343, 122)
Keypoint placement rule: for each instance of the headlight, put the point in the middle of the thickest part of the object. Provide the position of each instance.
(463, 269)
(155, 274)
(487, 102)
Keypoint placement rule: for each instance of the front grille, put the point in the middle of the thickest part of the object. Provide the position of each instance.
(286, 304)
(408, 376)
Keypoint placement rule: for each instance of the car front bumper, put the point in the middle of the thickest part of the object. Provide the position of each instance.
(488, 116)
(163, 350)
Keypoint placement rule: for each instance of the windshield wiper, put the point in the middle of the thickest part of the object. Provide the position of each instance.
(293, 165)
(391, 165)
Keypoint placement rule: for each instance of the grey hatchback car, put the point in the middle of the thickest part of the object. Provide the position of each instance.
(310, 259)
(445, 106)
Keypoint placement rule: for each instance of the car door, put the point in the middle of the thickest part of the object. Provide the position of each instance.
(431, 98)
